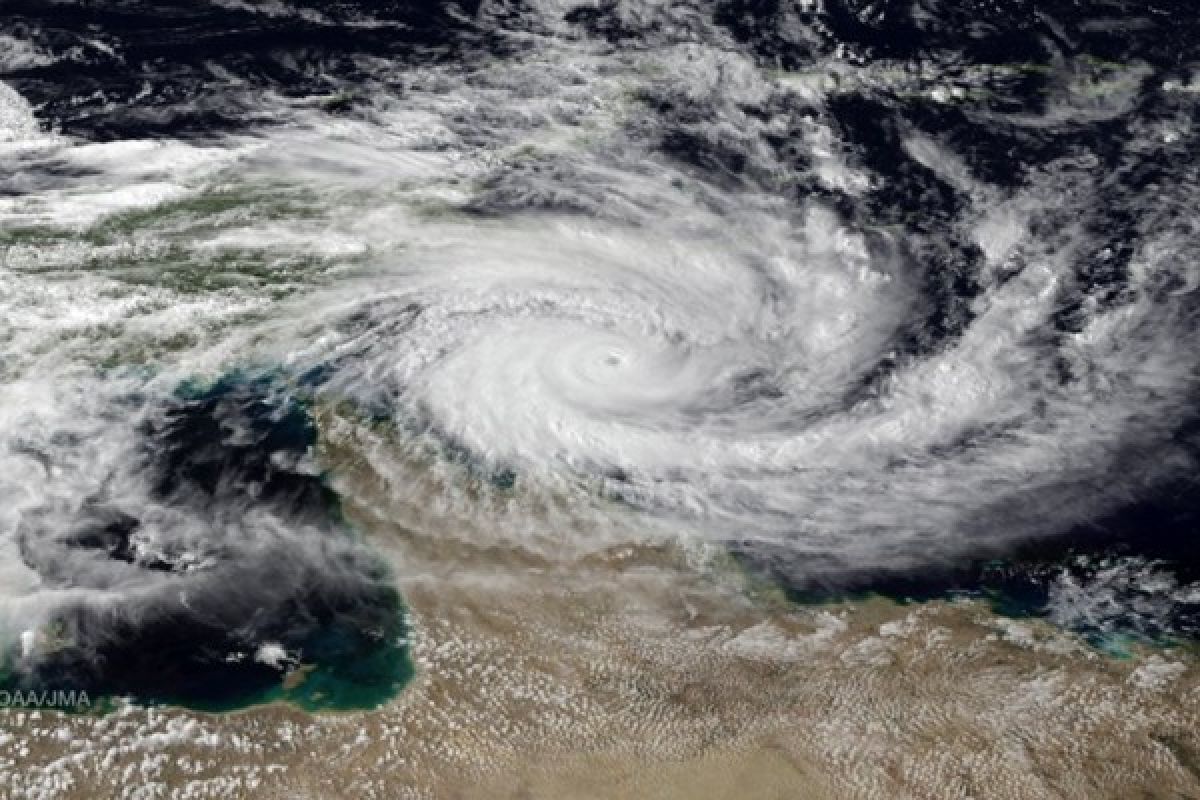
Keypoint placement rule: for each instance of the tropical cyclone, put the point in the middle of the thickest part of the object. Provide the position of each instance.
(594, 331)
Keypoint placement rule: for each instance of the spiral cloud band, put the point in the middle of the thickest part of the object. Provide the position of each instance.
(575, 294)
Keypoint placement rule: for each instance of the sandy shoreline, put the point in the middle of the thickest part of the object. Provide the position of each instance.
(645, 687)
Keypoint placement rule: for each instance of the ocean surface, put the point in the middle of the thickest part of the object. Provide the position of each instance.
(874, 297)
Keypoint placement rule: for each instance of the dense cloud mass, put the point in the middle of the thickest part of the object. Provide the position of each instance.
(856, 290)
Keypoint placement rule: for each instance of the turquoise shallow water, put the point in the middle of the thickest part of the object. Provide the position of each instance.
(1115, 602)
(344, 669)
(288, 603)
